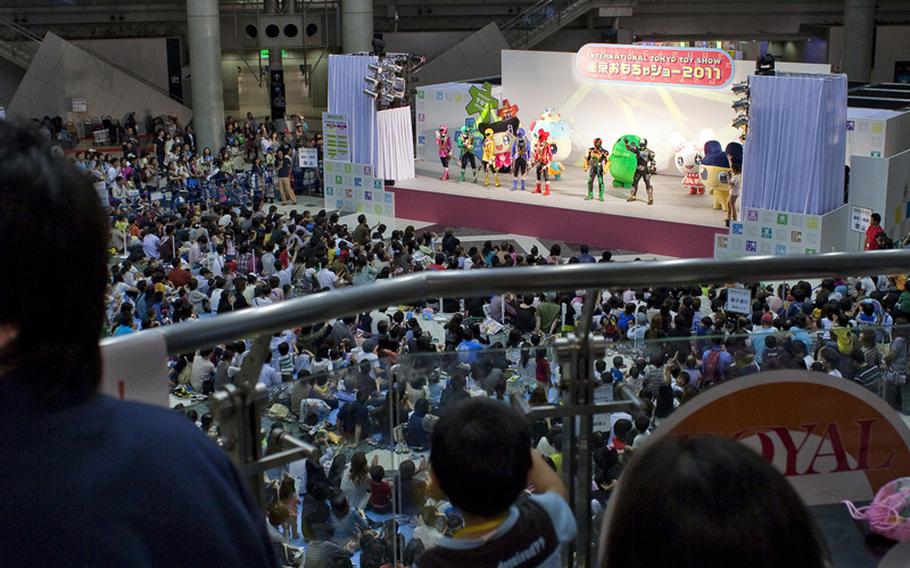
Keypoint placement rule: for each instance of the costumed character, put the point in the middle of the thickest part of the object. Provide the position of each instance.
(645, 166)
(688, 161)
(487, 157)
(502, 134)
(543, 155)
(445, 149)
(466, 145)
(715, 173)
(521, 155)
(559, 133)
(622, 163)
(595, 163)
(556, 170)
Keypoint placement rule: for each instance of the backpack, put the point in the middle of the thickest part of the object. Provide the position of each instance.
(711, 366)
(884, 241)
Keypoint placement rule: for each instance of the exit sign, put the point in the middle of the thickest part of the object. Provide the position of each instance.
(264, 53)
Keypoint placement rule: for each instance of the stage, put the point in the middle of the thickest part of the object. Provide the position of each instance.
(678, 224)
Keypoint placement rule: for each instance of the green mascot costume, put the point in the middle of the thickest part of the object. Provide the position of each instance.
(623, 162)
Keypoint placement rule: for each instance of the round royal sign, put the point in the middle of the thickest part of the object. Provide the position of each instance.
(832, 439)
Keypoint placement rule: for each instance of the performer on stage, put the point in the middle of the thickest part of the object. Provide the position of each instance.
(595, 163)
(521, 153)
(487, 157)
(645, 159)
(543, 155)
(445, 149)
(466, 145)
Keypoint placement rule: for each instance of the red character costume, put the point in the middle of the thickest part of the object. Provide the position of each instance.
(543, 155)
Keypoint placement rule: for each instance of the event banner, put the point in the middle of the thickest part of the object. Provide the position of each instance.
(352, 188)
(684, 66)
(767, 232)
(336, 138)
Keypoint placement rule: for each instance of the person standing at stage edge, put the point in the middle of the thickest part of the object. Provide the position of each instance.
(873, 232)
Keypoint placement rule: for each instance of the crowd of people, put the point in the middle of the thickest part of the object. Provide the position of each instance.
(256, 162)
(379, 380)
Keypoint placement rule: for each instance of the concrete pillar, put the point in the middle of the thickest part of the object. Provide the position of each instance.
(204, 35)
(356, 25)
(859, 35)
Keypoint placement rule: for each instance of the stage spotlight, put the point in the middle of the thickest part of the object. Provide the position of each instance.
(372, 81)
(392, 68)
(741, 105)
(374, 67)
(765, 65)
(741, 122)
(741, 88)
(372, 94)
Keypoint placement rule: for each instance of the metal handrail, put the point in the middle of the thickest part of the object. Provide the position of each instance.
(320, 307)
(523, 14)
(20, 29)
(30, 36)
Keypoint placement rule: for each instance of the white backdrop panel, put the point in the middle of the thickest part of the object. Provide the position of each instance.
(395, 153)
(535, 80)
(438, 105)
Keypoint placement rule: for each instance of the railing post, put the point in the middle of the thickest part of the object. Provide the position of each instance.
(576, 354)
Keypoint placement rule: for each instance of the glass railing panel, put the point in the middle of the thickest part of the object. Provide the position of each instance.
(369, 405)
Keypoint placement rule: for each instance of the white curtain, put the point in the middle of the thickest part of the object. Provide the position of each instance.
(794, 153)
(395, 151)
(346, 85)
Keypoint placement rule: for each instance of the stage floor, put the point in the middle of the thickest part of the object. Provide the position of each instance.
(671, 202)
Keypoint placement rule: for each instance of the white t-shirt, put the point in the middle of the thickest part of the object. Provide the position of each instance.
(736, 184)
(326, 279)
(215, 298)
(217, 265)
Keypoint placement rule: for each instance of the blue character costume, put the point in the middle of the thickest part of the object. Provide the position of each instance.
(521, 154)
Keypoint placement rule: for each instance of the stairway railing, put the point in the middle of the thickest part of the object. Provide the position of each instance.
(24, 48)
(540, 20)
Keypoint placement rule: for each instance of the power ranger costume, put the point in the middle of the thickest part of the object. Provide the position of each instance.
(595, 163)
(521, 154)
(445, 149)
(645, 167)
(487, 158)
(543, 155)
(466, 145)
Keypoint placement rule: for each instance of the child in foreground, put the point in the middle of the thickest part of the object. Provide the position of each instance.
(481, 458)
